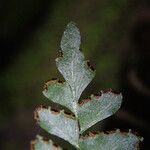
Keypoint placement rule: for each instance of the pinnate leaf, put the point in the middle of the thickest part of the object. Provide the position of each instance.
(59, 92)
(41, 144)
(112, 141)
(98, 108)
(77, 72)
(58, 124)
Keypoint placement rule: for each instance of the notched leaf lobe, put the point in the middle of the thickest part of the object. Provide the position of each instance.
(43, 144)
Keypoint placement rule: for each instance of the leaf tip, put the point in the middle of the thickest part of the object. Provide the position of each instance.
(71, 37)
(71, 23)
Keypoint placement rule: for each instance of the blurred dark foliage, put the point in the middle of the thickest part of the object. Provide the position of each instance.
(115, 37)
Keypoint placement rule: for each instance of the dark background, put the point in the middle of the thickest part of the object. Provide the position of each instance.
(115, 38)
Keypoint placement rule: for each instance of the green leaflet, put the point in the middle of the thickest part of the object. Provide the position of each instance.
(112, 141)
(78, 74)
(59, 92)
(98, 108)
(71, 64)
(59, 124)
(40, 144)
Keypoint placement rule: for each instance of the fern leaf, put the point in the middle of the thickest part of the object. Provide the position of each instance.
(58, 124)
(112, 141)
(41, 144)
(71, 64)
(78, 73)
(98, 108)
(59, 92)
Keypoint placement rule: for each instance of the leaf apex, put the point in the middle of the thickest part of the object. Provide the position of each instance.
(71, 38)
(71, 23)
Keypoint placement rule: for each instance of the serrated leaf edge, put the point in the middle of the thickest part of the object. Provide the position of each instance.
(93, 133)
(96, 134)
(56, 112)
(46, 141)
(95, 98)
(53, 111)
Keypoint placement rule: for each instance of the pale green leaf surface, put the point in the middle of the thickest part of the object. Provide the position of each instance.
(59, 92)
(71, 64)
(40, 144)
(112, 141)
(98, 108)
(59, 124)
(78, 74)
